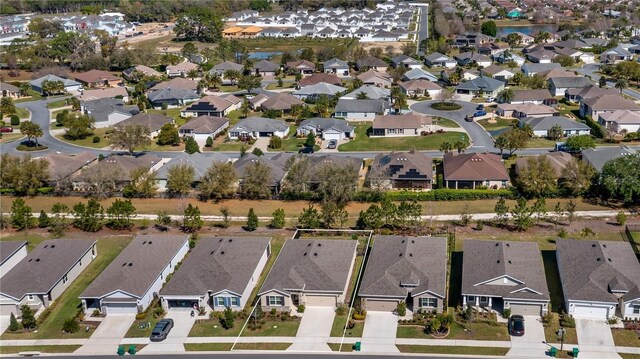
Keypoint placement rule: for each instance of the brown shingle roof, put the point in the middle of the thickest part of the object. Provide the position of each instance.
(474, 166)
(95, 76)
(558, 160)
(205, 124)
(62, 166)
(419, 84)
(610, 103)
(281, 101)
(153, 121)
(320, 77)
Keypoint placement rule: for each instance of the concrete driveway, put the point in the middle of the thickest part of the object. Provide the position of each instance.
(314, 330)
(107, 337)
(531, 343)
(182, 323)
(379, 334)
(595, 339)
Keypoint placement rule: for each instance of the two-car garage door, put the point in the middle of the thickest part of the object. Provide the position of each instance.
(320, 301)
(120, 308)
(381, 305)
(525, 309)
(584, 311)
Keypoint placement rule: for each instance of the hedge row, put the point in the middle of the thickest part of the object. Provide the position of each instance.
(41, 190)
(596, 129)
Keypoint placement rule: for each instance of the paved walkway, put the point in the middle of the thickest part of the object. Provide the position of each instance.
(182, 323)
(379, 334)
(595, 338)
(314, 330)
(107, 337)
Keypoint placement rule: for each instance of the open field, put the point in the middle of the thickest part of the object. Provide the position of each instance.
(362, 142)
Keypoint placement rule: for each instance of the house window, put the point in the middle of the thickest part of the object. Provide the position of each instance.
(636, 309)
(93, 251)
(392, 131)
(81, 263)
(471, 298)
(275, 301)
(235, 302)
(220, 301)
(428, 302)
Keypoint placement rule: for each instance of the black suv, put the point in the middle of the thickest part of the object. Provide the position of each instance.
(161, 330)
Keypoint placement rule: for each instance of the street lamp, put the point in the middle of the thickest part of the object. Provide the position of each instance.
(561, 332)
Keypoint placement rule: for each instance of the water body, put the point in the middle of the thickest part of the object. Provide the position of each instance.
(264, 55)
(528, 29)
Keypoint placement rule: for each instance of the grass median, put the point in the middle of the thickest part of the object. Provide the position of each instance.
(50, 349)
(440, 349)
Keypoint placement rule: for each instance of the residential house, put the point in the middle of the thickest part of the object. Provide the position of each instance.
(181, 70)
(410, 124)
(98, 79)
(320, 78)
(598, 157)
(120, 165)
(472, 40)
(256, 127)
(615, 55)
(277, 164)
(525, 39)
(376, 78)
(497, 72)
(217, 106)
(171, 98)
(471, 170)
(415, 74)
(63, 167)
(108, 111)
(313, 92)
(200, 162)
(493, 49)
(8, 90)
(538, 97)
(372, 92)
(620, 121)
(577, 55)
(11, 253)
(594, 106)
(506, 57)
(420, 87)
(480, 87)
(468, 58)
(541, 57)
(280, 102)
(361, 110)
(265, 68)
(525, 110)
(542, 125)
(402, 170)
(219, 273)
(547, 75)
(558, 160)
(499, 275)
(406, 62)
(108, 92)
(152, 121)
(371, 63)
(310, 272)
(530, 69)
(221, 68)
(203, 127)
(135, 73)
(303, 67)
(405, 269)
(44, 274)
(132, 280)
(558, 85)
(336, 67)
(176, 83)
(578, 95)
(326, 128)
(437, 59)
(599, 278)
(69, 85)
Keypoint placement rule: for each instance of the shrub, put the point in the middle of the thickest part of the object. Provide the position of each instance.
(95, 139)
(226, 320)
(301, 308)
(158, 312)
(341, 309)
(442, 194)
(621, 218)
(446, 106)
(360, 316)
(468, 314)
(506, 313)
(28, 317)
(562, 233)
(141, 316)
(209, 142)
(401, 309)
(284, 316)
(567, 321)
(15, 120)
(13, 323)
(547, 319)
(480, 225)
(70, 325)
(95, 313)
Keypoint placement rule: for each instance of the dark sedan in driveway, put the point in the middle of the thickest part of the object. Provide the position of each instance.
(516, 325)
(161, 330)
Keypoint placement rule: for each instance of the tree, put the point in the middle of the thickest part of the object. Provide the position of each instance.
(275, 142)
(502, 211)
(209, 142)
(333, 214)
(311, 140)
(191, 146)
(180, 178)
(602, 82)
(336, 183)
(52, 87)
(446, 146)
(620, 179)
(89, 217)
(514, 39)
(512, 140)
(249, 82)
(489, 28)
(399, 99)
(59, 219)
(579, 143)
(143, 183)
(70, 325)
(371, 218)
(7, 107)
(78, 126)
(559, 213)
(541, 37)
(252, 221)
(232, 75)
(227, 318)
(576, 177)
(258, 152)
(24, 174)
(168, 135)
(521, 215)
(460, 145)
(622, 84)
(44, 28)
(540, 209)
(505, 96)
(189, 49)
(309, 218)
(570, 208)
(28, 317)
(278, 219)
(130, 137)
(199, 23)
(191, 220)
(21, 216)
(256, 183)
(43, 219)
(32, 131)
(535, 82)
(224, 210)
(13, 323)
(218, 181)
(120, 214)
(537, 178)
(555, 133)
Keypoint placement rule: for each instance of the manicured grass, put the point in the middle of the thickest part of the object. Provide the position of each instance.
(32, 239)
(171, 112)
(67, 304)
(440, 349)
(262, 346)
(88, 141)
(22, 112)
(33, 96)
(474, 331)
(499, 123)
(629, 356)
(274, 328)
(570, 336)
(39, 348)
(280, 44)
(207, 347)
(445, 122)
(292, 144)
(154, 146)
(57, 104)
(540, 143)
(230, 146)
(212, 328)
(446, 106)
(338, 328)
(625, 338)
(10, 137)
(362, 142)
(229, 88)
(346, 347)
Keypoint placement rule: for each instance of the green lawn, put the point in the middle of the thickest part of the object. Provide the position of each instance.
(540, 143)
(362, 142)
(625, 338)
(570, 336)
(229, 88)
(88, 141)
(293, 143)
(154, 146)
(629, 356)
(34, 96)
(230, 146)
(135, 332)
(445, 122)
(474, 331)
(271, 328)
(207, 347)
(32, 239)
(499, 123)
(68, 303)
(39, 348)
(212, 328)
(174, 113)
(262, 346)
(338, 328)
(10, 137)
(440, 349)
(57, 104)
(22, 112)
(346, 347)
(285, 85)
(219, 347)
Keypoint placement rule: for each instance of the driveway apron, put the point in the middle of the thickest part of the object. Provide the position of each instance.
(379, 334)
(314, 330)
(595, 339)
(531, 343)
(107, 337)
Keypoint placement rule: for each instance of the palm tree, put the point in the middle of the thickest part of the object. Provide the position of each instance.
(398, 98)
(232, 75)
(506, 95)
(555, 133)
(622, 84)
(193, 73)
(362, 96)
(446, 147)
(31, 130)
(460, 146)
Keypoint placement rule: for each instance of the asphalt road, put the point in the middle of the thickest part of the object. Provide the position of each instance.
(423, 23)
(590, 69)
(480, 139)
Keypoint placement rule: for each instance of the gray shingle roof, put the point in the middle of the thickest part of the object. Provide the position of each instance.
(200, 162)
(43, 267)
(9, 248)
(100, 109)
(546, 123)
(260, 124)
(67, 82)
(321, 88)
(410, 165)
(485, 261)
(481, 83)
(372, 92)
(153, 121)
(396, 261)
(137, 267)
(324, 124)
(591, 269)
(335, 64)
(597, 157)
(312, 265)
(205, 124)
(276, 163)
(562, 82)
(172, 94)
(216, 264)
(377, 106)
(537, 68)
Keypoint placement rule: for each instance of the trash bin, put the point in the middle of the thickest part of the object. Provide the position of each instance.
(132, 349)
(120, 350)
(553, 352)
(357, 346)
(575, 352)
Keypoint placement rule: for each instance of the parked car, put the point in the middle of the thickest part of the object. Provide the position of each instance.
(480, 113)
(468, 118)
(491, 99)
(161, 330)
(332, 144)
(6, 129)
(306, 149)
(516, 325)
(480, 107)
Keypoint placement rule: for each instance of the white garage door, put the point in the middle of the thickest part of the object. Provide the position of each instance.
(381, 305)
(7, 309)
(320, 301)
(331, 136)
(113, 308)
(526, 309)
(591, 312)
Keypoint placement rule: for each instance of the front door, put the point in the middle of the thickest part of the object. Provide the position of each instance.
(295, 299)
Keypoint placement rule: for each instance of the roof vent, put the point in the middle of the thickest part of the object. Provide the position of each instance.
(124, 264)
(53, 246)
(220, 241)
(498, 261)
(598, 259)
(497, 244)
(30, 259)
(319, 244)
(130, 264)
(593, 245)
(315, 254)
(604, 245)
(230, 239)
(403, 241)
(150, 242)
(145, 242)
(412, 241)
(509, 262)
(309, 245)
(609, 259)
(46, 245)
(305, 254)
(37, 259)
(400, 254)
(222, 253)
(211, 252)
(507, 244)
(410, 254)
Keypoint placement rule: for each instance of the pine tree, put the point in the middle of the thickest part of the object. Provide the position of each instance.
(252, 220)
(278, 220)
(13, 323)
(43, 220)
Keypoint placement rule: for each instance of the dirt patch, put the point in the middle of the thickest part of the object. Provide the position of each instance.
(397, 45)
